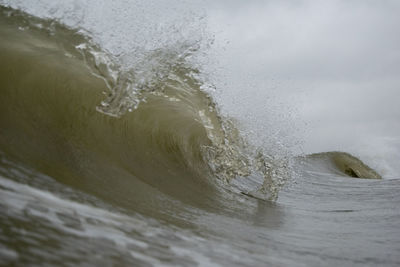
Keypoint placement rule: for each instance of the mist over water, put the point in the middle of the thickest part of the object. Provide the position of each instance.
(199, 133)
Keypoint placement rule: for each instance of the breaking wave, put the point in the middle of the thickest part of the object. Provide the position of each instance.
(84, 115)
(75, 112)
(121, 145)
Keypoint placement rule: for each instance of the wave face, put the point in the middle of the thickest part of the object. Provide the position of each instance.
(155, 123)
(129, 154)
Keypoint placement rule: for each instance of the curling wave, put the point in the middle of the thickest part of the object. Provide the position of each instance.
(77, 113)
(55, 117)
(127, 153)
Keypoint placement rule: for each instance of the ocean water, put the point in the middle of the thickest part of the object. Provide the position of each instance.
(174, 133)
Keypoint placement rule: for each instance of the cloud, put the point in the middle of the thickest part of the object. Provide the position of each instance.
(336, 62)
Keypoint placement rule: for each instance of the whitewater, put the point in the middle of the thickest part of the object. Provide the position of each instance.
(140, 133)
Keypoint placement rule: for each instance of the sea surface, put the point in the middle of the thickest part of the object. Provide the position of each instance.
(119, 147)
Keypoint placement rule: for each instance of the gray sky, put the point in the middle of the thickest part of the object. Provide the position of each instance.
(334, 64)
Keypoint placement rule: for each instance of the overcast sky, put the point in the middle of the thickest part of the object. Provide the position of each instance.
(337, 64)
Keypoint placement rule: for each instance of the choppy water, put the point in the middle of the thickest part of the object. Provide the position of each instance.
(116, 158)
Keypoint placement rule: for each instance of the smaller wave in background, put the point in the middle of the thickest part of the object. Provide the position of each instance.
(339, 163)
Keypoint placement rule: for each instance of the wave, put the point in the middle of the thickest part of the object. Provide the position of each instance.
(74, 112)
(132, 155)
(340, 163)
